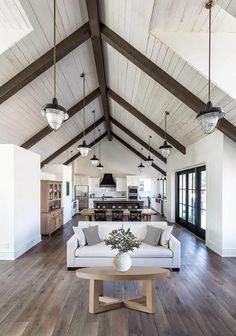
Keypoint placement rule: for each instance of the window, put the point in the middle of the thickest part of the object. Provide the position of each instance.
(191, 199)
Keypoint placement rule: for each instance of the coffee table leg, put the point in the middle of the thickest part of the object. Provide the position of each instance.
(150, 297)
(95, 290)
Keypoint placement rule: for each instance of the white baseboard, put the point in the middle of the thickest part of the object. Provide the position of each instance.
(215, 248)
(27, 246)
(229, 252)
(223, 252)
(7, 255)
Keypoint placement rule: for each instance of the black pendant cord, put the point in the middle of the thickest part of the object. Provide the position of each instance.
(54, 51)
(209, 53)
(141, 156)
(84, 105)
(100, 157)
(166, 113)
(93, 132)
(149, 144)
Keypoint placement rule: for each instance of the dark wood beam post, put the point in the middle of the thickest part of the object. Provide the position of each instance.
(44, 62)
(71, 142)
(94, 23)
(140, 116)
(72, 111)
(91, 144)
(161, 77)
(132, 149)
(137, 139)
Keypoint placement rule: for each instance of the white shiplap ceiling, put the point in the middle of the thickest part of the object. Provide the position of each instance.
(132, 20)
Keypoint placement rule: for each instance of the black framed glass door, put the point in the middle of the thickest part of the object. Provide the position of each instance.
(191, 200)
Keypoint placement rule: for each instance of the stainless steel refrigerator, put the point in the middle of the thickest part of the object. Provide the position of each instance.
(82, 194)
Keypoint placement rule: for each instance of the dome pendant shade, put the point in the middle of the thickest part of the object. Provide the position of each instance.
(149, 161)
(55, 114)
(209, 117)
(94, 160)
(84, 149)
(165, 149)
(100, 167)
(141, 167)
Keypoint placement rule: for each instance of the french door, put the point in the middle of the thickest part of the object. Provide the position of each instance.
(191, 200)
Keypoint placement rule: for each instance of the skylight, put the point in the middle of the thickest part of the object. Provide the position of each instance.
(14, 24)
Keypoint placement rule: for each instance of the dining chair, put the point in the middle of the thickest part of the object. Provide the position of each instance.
(135, 215)
(100, 215)
(117, 215)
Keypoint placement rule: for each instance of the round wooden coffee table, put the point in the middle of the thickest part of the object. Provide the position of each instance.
(99, 303)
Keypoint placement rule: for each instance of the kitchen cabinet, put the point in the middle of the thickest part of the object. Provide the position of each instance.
(132, 181)
(145, 185)
(94, 184)
(121, 184)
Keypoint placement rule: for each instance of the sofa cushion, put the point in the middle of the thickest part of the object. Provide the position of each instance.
(91, 235)
(165, 236)
(79, 234)
(102, 251)
(153, 235)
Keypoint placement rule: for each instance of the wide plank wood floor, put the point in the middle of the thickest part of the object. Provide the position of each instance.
(39, 297)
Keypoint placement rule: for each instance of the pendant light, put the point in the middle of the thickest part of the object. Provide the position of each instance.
(211, 115)
(100, 166)
(83, 148)
(149, 160)
(141, 166)
(165, 148)
(55, 114)
(94, 160)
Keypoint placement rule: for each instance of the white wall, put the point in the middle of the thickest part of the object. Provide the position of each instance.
(20, 201)
(218, 153)
(62, 173)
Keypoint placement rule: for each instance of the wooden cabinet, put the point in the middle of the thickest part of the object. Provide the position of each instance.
(51, 210)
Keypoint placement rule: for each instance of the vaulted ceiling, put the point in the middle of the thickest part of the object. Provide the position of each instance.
(147, 80)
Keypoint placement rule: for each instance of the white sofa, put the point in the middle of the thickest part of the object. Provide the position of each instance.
(101, 255)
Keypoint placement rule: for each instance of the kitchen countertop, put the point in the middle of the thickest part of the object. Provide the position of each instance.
(115, 200)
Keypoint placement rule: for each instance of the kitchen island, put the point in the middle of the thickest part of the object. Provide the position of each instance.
(116, 203)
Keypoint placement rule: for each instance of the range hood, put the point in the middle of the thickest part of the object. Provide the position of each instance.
(107, 181)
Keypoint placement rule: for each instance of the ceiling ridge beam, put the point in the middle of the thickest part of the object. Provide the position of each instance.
(71, 112)
(94, 24)
(44, 62)
(137, 139)
(162, 77)
(72, 142)
(132, 149)
(91, 145)
(146, 121)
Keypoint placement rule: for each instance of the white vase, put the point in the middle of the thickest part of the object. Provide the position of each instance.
(122, 262)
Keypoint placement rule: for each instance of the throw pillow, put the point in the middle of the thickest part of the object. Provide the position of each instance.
(165, 236)
(79, 234)
(153, 235)
(91, 235)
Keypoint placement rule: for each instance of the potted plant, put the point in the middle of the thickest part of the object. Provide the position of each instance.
(123, 241)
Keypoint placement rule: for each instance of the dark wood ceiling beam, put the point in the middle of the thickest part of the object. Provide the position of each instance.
(44, 62)
(132, 149)
(161, 77)
(137, 139)
(91, 144)
(72, 111)
(146, 121)
(94, 23)
(71, 142)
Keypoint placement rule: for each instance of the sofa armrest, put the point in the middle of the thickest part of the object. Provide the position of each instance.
(72, 245)
(175, 247)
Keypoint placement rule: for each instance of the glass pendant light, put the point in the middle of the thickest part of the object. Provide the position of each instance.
(165, 149)
(100, 166)
(141, 166)
(211, 115)
(149, 160)
(55, 114)
(83, 148)
(94, 160)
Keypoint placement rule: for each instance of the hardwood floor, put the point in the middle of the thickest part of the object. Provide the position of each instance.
(39, 297)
